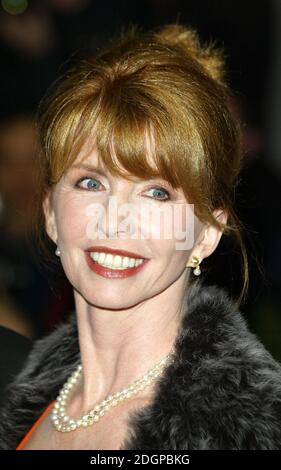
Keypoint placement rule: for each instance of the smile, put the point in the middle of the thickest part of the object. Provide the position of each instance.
(114, 266)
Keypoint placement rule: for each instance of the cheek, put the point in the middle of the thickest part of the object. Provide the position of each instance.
(71, 219)
(174, 236)
(173, 223)
(169, 258)
(169, 228)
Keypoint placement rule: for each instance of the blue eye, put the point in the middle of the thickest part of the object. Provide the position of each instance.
(91, 184)
(88, 185)
(161, 190)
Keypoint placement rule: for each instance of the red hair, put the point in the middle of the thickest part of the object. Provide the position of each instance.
(163, 84)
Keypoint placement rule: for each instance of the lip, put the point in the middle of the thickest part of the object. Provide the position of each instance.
(110, 273)
(113, 251)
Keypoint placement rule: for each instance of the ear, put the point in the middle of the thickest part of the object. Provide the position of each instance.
(208, 238)
(50, 221)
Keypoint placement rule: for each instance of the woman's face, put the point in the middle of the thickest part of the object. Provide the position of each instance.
(83, 216)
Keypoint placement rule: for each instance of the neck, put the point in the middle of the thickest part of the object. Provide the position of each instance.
(118, 347)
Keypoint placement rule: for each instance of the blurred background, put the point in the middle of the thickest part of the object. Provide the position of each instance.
(36, 40)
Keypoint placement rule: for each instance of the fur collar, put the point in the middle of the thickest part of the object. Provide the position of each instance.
(222, 392)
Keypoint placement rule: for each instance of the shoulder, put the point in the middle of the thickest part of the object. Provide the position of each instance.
(236, 379)
(216, 320)
(55, 350)
(48, 365)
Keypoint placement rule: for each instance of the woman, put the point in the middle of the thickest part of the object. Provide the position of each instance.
(143, 125)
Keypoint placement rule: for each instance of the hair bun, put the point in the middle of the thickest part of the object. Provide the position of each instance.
(210, 57)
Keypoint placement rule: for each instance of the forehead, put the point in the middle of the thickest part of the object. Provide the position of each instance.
(89, 160)
(120, 155)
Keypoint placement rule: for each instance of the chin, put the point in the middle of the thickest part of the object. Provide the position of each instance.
(107, 300)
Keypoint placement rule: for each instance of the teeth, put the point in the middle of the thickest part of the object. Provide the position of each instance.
(115, 261)
(125, 261)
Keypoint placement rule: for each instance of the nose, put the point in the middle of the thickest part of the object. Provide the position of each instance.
(119, 215)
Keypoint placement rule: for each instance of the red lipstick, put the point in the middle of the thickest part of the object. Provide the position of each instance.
(111, 272)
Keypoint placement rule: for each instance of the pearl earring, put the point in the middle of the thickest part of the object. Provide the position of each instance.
(57, 251)
(196, 261)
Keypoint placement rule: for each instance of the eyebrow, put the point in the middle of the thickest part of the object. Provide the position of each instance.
(87, 167)
(96, 169)
(100, 171)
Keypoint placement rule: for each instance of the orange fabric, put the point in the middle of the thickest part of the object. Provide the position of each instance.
(35, 425)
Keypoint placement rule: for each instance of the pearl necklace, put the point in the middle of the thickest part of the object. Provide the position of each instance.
(64, 423)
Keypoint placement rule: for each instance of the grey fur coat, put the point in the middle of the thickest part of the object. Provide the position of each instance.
(222, 392)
